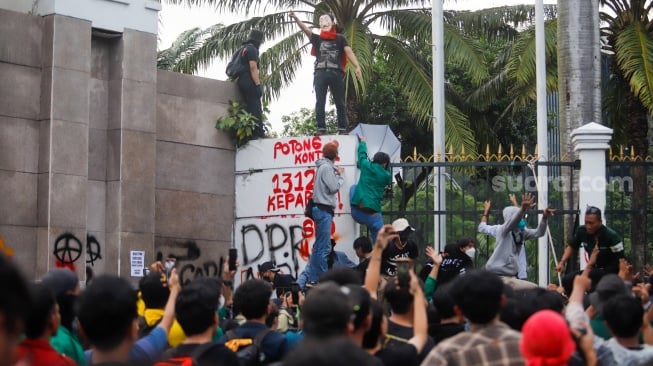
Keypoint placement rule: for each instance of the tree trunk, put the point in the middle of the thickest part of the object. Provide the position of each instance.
(579, 82)
(637, 129)
(352, 108)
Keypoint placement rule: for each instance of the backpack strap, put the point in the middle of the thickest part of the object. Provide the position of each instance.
(201, 350)
(389, 337)
(258, 339)
(231, 334)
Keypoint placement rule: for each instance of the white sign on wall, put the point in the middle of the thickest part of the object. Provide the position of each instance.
(274, 179)
(137, 262)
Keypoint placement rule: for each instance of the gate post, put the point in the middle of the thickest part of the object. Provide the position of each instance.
(591, 141)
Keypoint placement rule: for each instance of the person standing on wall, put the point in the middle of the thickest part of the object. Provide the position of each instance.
(328, 180)
(249, 82)
(331, 52)
(366, 196)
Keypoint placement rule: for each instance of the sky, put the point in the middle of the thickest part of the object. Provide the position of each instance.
(176, 18)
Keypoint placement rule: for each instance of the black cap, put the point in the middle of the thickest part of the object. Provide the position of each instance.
(268, 266)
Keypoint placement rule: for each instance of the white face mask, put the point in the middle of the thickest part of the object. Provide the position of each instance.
(325, 22)
(471, 252)
(169, 265)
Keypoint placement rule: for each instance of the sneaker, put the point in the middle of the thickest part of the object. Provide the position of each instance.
(320, 132)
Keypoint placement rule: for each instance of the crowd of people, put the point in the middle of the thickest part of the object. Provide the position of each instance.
(381, 314)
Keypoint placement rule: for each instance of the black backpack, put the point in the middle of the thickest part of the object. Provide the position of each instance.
(249, 351)
(236, 66)
(188, 360)
(144, 328)
(308, 208)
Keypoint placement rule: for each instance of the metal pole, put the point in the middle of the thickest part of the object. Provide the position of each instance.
(542, 144)
(439, 149)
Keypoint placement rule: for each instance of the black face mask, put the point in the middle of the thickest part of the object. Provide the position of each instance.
(403, 236)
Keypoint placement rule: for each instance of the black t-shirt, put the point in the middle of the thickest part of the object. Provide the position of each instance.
(611, 247)
(251, 54)
(392, 253)
(404, 354)
(361, 268)
(217, 355)
(400, 331)
(329, 53)
(452, 266)
(444, 331)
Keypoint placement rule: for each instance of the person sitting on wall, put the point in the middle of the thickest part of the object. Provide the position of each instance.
(491, 230)
(510, 239)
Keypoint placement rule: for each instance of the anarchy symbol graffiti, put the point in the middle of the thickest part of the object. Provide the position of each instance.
(93, 251)
(67, 248)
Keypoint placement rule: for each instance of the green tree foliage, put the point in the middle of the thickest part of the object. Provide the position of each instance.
(302, 123)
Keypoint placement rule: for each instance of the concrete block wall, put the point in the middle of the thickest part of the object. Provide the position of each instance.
(20, 113)
(101, 153)
(194, 172)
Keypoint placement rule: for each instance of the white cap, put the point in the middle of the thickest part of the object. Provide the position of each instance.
(401, 225)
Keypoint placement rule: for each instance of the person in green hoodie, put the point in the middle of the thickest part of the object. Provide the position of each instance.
(366, 196)
(64, 284)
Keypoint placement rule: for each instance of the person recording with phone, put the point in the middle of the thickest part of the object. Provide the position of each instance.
(401, 247)
(400, 296)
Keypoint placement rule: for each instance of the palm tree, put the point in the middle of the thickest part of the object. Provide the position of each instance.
(628, 33)
(579, 87)
(399, 29)
(514, 72)
(627, 41)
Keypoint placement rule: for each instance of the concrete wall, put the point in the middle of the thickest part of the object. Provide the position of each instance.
(102, 154)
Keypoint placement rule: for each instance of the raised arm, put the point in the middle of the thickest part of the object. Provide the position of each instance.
(431, 282)
(301, 25)
(373, 273)
(420, 321)
(486, 210)
(169, 310)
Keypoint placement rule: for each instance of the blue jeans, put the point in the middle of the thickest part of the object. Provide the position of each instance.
(302, 279)
(332, 79)
(317, 262)
(373, 221)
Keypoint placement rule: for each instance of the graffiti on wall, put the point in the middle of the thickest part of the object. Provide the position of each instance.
(270, 222)
(68, 250)
(190, 264)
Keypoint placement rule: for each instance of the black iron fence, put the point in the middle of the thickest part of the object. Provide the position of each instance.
(470, 183)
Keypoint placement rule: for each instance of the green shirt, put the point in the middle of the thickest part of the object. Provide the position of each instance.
(66, 343)
(611, 247)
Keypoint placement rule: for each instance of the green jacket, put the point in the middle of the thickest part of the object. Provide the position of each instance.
(373, 180)
(66, 343)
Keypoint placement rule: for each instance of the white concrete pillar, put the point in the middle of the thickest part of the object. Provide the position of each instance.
(591, 141)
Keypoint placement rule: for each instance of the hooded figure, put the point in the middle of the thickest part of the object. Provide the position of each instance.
(510, 239)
